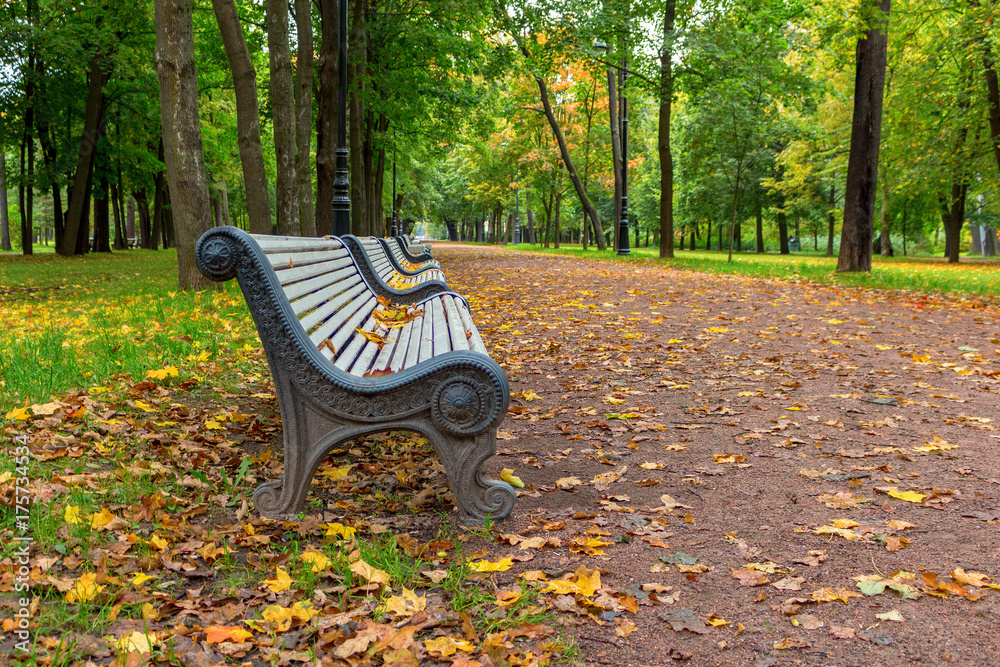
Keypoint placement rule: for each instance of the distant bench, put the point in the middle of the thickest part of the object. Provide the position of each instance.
(351, 356)
(377, 253)
(406, 249)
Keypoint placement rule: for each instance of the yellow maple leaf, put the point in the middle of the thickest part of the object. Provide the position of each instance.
(501, 565)
(318, 561)
(138, 642)
(20, 414)
(507, 475)
(936, 445)
(159, 542)
(626, 626)
(976, 579)
(407, 604)
(72, 514)
(85, 589)
(101, 519)
(281, 581)
(140, 578)
(614, 401)
(212, 425)
(279, 617)
(442, 647)
(908, 496)
(163, 373)
(529, 395)
(371, 574)
(340, 530)
(507, 598)
(145, 407)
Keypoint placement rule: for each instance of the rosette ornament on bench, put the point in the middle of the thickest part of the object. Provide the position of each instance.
(341, 371)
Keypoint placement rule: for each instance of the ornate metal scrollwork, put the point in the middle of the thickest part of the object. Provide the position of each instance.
(462, 406)
(217, 257)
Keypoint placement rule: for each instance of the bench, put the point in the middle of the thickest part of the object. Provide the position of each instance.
(374, 254)
(340, 373)
(404, 257)
(413, 246)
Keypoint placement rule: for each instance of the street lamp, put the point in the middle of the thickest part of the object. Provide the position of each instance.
(623, 248)
(340, 225)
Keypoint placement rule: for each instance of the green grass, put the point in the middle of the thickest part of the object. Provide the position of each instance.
(915, 274)
(76, 323)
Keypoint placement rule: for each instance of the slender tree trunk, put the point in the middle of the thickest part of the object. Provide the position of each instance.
(286, 189)
(993, 103)
(356, 84)
(303, 114)
(224, 195)
(145, 223)
(736, 201)
(663, 133)
(955, 220)
(50, 156)
(326, 118)
(247, 116)
(831, 220)
(102, 218)
(862, 167)
(130, 221)
(182, 147)
(4, 213)
(574, 177)
(886, 231)
(79, 198)
(760, 223)
(616, 149)
(558, 213)
(117, 213)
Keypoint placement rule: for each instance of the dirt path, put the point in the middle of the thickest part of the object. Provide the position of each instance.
(735, 454)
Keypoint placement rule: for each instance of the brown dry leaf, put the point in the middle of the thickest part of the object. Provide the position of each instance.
(748, 577)
(813, 559)
(789, 584)
(895, 543)
(625, 627)
(831, 594)
(841, 632)
(976, 579)
(809, 622)
(568, 483)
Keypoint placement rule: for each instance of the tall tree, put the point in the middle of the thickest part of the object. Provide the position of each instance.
(303, 113)
(182, 145)
(866, 127)
(663, 132)
(247, 118)
(286, 189)
(4, 214)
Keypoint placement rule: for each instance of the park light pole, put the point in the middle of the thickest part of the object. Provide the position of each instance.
(341, 221)
(623, 247)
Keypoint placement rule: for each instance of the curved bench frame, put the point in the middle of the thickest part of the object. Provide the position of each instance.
(456, 400)
(425, 257)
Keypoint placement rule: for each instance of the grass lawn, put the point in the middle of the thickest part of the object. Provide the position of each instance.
(919, 274)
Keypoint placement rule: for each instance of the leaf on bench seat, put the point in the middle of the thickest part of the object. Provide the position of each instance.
(328, 344)
(373, 337)
(394, 319)
(372, 373)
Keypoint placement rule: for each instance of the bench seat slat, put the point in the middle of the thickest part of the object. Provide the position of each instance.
(288, 275)
(320, 282)
(456, 329)
(274, 244)
(321, 316)
(332, 327)
(475, 340)
(403, 344)
(381, 362)
(346, 359)
(427, 336)
(420, 329)
(347, 331)
(292, 259)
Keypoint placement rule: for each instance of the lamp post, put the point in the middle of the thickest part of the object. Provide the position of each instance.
(341, 222)
(623, 247)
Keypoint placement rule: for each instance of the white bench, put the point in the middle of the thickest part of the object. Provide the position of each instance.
(376, 252)
(407, 252)
(342, 369)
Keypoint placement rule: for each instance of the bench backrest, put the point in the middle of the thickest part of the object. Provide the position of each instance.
(331, 300)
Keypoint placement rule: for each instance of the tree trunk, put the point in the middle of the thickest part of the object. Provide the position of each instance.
(760, 223)
(558, 213)
(117, 212)
(4, 213)
(862, 166)
(224, 195)
(182, 147)
(616, 149)
(831, 220)
(303, 114)
(885, 240)
(732, 228)
(79, 198)
(102, 219)
(247, 116)
(993, 103)
(51, 156)
(663, 134)
(356, 84)
(145, 224)
(130, 221)
(326, 118)
(955, 220)
(286, 188)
